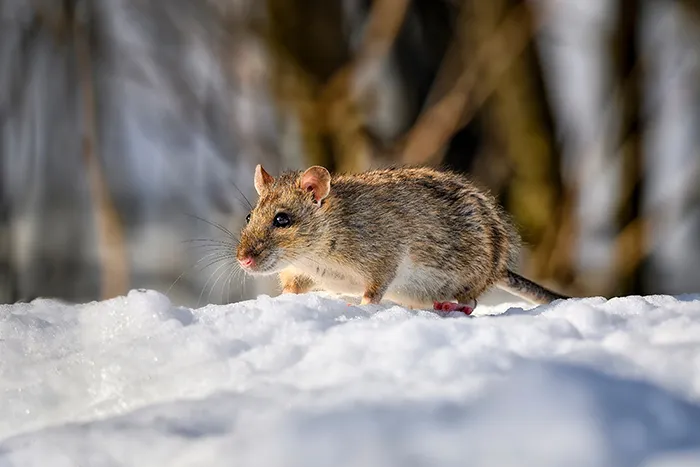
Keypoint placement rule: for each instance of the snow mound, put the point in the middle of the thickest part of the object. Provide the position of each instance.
(310, 381)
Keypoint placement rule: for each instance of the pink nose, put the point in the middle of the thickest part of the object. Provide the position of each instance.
(247, 262)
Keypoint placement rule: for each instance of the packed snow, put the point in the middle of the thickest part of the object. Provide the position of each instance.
(313, 380)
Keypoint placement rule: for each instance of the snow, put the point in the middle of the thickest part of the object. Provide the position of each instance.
(311, 380)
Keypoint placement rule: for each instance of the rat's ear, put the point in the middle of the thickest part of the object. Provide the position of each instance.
(318, 180)
(262, 179)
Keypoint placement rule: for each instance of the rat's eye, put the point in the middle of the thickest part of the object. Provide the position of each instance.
(281, 220)
(247, 219)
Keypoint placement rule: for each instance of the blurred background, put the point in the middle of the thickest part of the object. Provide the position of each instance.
(130, 129)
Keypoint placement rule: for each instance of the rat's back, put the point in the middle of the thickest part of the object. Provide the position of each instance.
(434, 223)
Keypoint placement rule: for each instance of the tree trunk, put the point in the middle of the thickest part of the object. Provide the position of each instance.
(629, 245)
(111, 241)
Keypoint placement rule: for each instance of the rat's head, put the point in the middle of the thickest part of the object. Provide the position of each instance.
(286, 222)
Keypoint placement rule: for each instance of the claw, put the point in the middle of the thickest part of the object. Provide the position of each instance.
(451, 306)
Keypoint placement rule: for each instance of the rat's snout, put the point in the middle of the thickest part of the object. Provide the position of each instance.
(256, 253)
(246, 258)
(248, 253)
(246, 262)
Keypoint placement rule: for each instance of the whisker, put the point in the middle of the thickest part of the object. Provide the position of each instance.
(243, 278)
(227, 285)
(213, 224)
(239, 275)
(228, 263)
(207, 247)
(194, 266)
(220, 241)
(214, 253)
(245, 282)
(167, 292)
(219, 244)
(217, 259)
(207, 282)
(241, 193)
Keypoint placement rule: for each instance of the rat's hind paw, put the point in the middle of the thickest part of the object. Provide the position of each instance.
(451, 306)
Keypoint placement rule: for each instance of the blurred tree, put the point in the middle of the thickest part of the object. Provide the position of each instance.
(39, 146)
(109, 227)
(491, 60)
(116, 117)
(8, 276)
(630, 248)
(114, 124)
(520, 120)
(356, 115)
(308, 44)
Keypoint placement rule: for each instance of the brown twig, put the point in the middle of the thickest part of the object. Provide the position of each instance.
(458, 100)
(349, 90)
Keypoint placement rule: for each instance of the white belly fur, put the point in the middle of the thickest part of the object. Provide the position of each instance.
(411, 281)
(414, 282)
(333, 277)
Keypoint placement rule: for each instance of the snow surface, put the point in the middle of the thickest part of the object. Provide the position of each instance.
(313, 381)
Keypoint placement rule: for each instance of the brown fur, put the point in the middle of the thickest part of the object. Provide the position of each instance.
(413, 235)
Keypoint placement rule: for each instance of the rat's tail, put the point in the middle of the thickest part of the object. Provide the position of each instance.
(528, 290)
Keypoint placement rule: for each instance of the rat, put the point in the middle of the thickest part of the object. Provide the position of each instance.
(416, 236)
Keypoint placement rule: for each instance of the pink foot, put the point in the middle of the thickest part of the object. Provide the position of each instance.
(451, 306)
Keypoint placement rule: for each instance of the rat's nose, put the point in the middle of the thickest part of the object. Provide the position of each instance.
(247, 262)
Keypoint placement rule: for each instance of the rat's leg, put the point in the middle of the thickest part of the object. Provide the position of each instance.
(376, 287)
(295, 282)
(373, 294)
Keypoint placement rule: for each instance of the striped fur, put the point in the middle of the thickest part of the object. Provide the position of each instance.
(412, 235)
